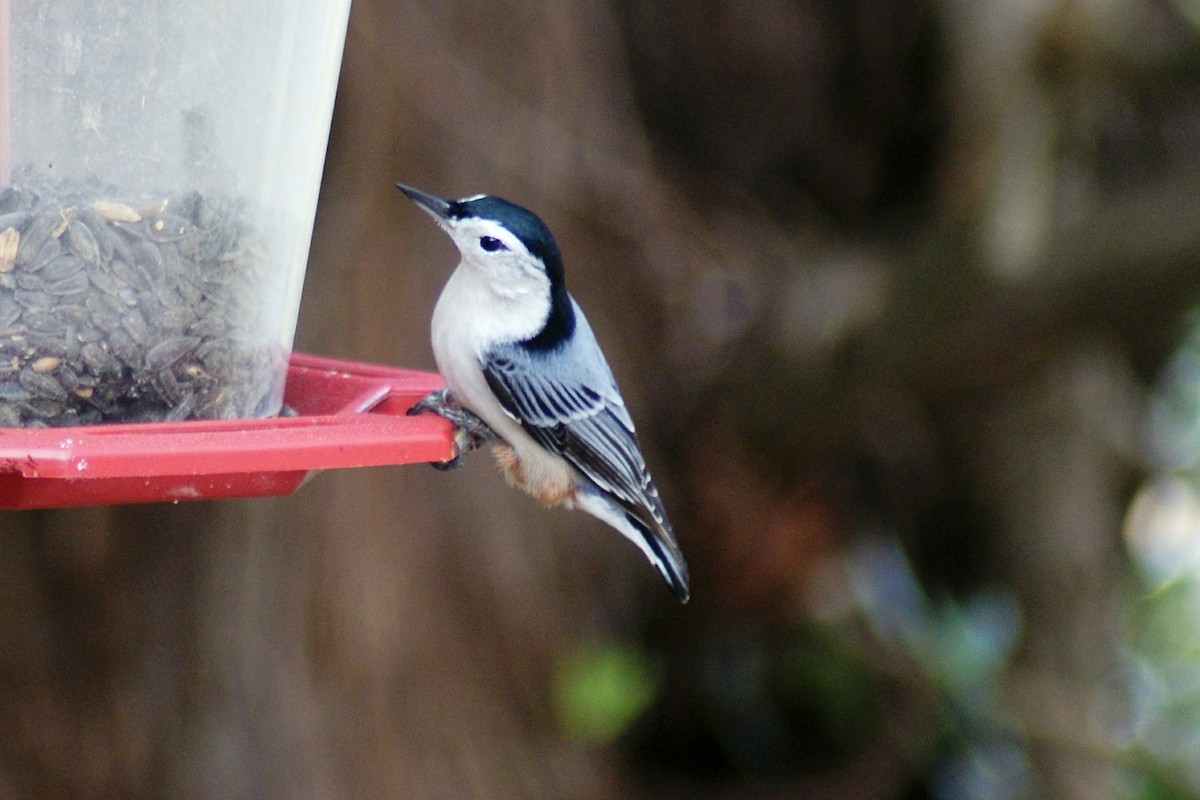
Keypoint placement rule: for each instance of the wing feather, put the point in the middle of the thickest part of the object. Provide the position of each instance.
(566, 399)
(569, 403)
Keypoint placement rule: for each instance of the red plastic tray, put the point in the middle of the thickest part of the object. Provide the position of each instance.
(348, 415)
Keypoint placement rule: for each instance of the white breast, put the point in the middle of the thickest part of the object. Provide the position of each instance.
(468, 317)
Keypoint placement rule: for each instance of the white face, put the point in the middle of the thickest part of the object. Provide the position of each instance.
(499, 259)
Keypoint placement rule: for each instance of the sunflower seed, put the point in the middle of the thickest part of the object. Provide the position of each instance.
(167, 352)
(113, 309)
(116, 212)
(42, 385)
(81, 241)
(10, 239)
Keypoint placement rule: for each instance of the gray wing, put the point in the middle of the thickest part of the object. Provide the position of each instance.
(567, 400)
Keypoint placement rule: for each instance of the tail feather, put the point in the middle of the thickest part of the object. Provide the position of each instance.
(664, 554)
(656, 542)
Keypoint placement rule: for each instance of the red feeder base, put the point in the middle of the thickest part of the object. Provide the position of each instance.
(348, 415)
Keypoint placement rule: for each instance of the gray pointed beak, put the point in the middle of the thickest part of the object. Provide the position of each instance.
(436, 207)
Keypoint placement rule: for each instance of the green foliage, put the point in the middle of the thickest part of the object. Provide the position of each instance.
(960, 650)
(600, 688)
(1164, 654)
(830, 676)
(1162, 533)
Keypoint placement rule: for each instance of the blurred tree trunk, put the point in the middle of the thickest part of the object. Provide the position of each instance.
(1054, 470)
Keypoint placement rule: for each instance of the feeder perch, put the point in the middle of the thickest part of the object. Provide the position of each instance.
(346, 415)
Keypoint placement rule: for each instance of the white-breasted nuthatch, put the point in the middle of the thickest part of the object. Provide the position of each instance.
(524, 372)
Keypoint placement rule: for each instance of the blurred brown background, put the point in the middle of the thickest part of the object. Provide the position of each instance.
(889, 287)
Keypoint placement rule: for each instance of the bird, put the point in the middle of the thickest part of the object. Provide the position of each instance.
(523, 372)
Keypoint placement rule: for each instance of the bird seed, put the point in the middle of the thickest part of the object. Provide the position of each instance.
(116, 309)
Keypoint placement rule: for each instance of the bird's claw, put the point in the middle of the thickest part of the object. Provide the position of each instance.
(433, 403)
(470, 431)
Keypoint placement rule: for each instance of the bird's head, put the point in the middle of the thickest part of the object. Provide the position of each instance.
(507, 245)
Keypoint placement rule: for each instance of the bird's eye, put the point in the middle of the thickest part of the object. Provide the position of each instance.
(491, 244)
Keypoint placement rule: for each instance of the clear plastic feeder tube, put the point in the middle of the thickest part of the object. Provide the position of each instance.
(160, 168)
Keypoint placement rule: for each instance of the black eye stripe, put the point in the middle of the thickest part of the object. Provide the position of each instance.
(491, 244)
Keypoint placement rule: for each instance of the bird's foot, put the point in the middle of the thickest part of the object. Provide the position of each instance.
(469, 430)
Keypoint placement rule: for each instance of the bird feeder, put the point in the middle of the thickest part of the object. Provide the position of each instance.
(159, 170)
